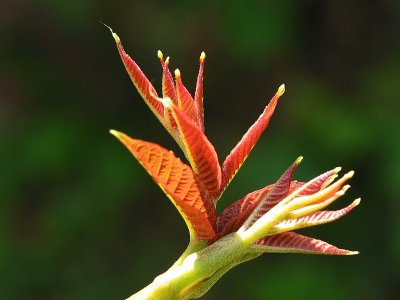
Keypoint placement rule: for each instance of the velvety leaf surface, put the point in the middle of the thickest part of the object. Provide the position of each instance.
(185, 100)
(200, 153)
(178, 181)
(240, 152)
(236, 214)
(142, 84)
(279, 191)
(291, 242)
(198, 96)
(168, 86)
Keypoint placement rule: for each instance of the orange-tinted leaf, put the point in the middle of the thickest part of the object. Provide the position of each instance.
(168, 86)
(199, 151)
(168, 89)
(278, 192)
(198, 96)
(291, 242)
(179, 183)
(185, 100)
(238, 155)
(236, 214)
(142, 84)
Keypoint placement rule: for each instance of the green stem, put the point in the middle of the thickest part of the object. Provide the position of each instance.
(196, 273)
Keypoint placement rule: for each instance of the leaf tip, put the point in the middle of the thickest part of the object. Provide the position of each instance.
(356, 202)
(298, 160)
(337, 170)
(202, 56)
(177, 73)
(160, 55)
(115, 36)
(281, 90)
(349, 174)
(115, 133)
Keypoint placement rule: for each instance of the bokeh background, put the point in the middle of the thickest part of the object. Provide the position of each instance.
(79, 217)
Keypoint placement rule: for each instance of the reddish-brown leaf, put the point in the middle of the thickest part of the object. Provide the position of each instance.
(200, 152)
(235, 214)
(239, 154)
(168, 86)
(179, 183)
(318, 182)
(279, 191)
(168, 89)
(291, 242)
(142, 84)
(185, 100)
(198, 96)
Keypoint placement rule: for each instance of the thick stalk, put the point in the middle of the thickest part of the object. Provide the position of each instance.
(198, 272)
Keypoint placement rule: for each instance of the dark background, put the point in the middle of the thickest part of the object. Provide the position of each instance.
(79, 217)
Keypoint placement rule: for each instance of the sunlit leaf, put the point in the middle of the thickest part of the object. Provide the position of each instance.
(291, 242)
(279, 191)
(179, 183)
(142, 84)
(239, 154)
(198, 96)
(314, 218)
(199, 151)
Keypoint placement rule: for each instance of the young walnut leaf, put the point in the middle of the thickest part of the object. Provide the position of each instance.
(178, 182)
(198, 96)
(198, 150)
(142, 84)
(185, 100)
(168, 87)
(233, 217)
(291, 242)
(239, 154)
(313, 219)
(280, 190)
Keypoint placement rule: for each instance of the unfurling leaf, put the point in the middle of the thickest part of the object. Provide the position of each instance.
(178, 182)
(291, 242)
(199, 151)
(239, 154)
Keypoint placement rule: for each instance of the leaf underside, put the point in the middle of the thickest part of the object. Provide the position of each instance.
(291, 242)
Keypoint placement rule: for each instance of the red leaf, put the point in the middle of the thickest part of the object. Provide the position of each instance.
(319, 182)
(198, 96)
(179, 183)
(239, 154)
(200, 152)
(291, 242)
(185, 100)
(236, 214)
(142, 84)
(278, 192)
(168, 86)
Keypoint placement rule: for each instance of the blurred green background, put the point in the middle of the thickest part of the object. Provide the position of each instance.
(79, 217)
